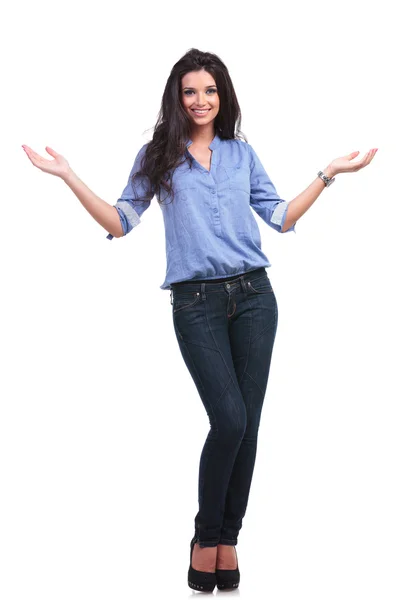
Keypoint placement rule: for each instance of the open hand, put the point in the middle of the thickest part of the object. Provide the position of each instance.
(59, 166)
(344, 164)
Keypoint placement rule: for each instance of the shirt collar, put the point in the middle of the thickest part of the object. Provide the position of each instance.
(215, 142)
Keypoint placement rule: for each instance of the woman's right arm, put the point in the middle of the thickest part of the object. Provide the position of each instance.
(106, 215)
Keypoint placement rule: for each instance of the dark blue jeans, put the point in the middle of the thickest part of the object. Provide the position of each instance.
(226, 331)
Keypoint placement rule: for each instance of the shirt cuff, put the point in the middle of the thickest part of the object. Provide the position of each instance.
(128, 217)
(279, 216)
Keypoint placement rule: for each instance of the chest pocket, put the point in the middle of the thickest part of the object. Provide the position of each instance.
(239, 178)
(184, 193)
(182, 175)
(184, 182)
(238, 195)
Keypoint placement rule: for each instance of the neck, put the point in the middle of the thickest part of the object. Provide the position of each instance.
(203, 136)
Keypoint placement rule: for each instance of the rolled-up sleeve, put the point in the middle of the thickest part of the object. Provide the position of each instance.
(264, 198)
(134, 198)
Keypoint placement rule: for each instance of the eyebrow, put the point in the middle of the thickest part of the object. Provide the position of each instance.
(192, 88)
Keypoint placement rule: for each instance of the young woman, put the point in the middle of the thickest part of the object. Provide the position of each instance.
(224, 311)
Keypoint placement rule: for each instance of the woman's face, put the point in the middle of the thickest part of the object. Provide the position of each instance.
(199, 91)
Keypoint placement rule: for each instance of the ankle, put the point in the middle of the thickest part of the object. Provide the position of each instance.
(226, 557)
(204, 559)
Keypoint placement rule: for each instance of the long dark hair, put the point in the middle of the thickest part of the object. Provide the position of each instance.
(173, 129)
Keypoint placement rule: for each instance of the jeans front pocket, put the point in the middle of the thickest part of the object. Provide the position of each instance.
(261, 285)
(184, 300)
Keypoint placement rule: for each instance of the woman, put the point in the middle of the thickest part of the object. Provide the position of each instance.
(224, 309)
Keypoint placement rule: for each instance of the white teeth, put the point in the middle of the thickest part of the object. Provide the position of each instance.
(201, 112)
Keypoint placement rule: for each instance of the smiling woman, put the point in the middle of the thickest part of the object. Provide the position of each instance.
(225, 312)
(200, 96)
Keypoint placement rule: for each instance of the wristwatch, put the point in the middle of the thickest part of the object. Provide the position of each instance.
(327, 180)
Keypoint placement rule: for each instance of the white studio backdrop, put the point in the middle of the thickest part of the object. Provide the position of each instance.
(101, 426)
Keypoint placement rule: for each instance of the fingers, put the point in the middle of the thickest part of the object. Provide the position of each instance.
(373, 152)
(34, 157)
(370, 155)
(366, 159)
(361, 163)
(51, 151)
(29, 153)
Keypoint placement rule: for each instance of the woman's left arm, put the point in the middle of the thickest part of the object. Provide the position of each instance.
(299, 205)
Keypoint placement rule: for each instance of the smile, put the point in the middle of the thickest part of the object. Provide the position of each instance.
(200, 112)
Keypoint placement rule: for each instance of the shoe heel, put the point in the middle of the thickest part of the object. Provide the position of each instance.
(228, 579)
(201, 581)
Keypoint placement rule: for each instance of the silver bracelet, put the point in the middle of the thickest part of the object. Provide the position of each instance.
(327, 180)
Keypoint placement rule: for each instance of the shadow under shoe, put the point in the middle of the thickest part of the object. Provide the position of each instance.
(202, 581)
(228, 578)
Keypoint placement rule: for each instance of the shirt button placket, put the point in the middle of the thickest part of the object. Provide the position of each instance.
(217, 223)
(215, 207)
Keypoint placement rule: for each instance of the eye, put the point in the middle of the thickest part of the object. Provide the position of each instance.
(188, 92)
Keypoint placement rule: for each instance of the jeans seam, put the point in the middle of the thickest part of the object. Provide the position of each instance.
(202, 346)
(254, 381)
(220, 353)
(249, 344)
(224, 390)
(202, 386)
(270, 326)
(266, 328)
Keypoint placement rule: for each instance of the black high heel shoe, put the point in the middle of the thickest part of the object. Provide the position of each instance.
(202, 581)
(228, 578)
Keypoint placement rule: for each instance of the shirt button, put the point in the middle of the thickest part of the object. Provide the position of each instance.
(213, 191)
(215, 209)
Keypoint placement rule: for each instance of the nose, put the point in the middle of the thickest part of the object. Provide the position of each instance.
(199, 103)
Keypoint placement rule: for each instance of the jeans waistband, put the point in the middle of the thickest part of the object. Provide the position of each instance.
(214, 285)
(252, 273)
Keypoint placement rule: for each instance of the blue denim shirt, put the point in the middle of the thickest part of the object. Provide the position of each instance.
(210, 230)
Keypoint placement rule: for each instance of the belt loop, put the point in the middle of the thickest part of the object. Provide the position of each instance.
(170, 295)
(242, 283)
(203, 291)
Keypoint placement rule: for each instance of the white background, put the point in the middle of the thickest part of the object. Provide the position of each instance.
(101, 426)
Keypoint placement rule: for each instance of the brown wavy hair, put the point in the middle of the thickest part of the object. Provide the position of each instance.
(173, 127)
